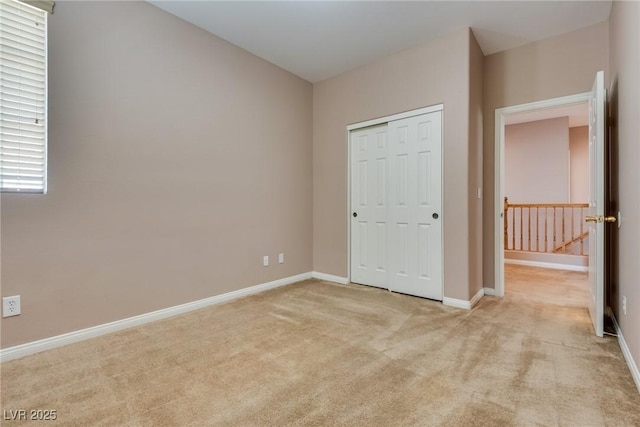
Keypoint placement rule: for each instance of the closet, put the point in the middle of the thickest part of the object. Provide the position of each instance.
(396, 213)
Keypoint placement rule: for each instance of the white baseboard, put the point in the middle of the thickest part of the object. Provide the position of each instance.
(491, 292)
(457, 303)
(96, 331)
(330, 278)
(633, 367)
(460, 303)
(551, 265)
(477, 297)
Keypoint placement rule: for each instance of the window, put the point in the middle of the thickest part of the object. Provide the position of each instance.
(23, 97)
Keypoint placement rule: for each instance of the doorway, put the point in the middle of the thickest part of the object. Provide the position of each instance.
(596, 216)
(546, 200)
(536, 110)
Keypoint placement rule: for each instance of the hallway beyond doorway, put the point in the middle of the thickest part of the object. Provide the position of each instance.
(546, 286)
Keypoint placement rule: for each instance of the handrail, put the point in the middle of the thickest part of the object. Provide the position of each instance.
(563, 247)
(545, 227)
(547, 205)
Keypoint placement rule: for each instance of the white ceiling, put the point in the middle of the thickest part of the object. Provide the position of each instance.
(320, 39)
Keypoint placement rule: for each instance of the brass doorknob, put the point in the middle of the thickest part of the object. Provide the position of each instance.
(600, 218)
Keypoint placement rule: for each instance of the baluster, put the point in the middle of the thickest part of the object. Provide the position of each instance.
(546, 229)
(513, 228)
(521, 237)
(573, 230)
(538, 229)
(555, 232)
(581, 231)
(506, 222)
(529, 228)
(564, 239)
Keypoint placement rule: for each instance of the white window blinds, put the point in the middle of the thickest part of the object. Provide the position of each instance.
(23, 80)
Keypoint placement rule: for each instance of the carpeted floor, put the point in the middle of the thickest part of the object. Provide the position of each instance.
(321, 354)
(546, 286)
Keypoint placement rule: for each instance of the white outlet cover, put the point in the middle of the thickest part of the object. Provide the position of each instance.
(281, 258)
(11, 306)
(265, 261)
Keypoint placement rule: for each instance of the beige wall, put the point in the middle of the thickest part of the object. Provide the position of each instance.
(176, 161)
(161, 194)
(558, 66)
(476, 61)
(625, 140)
(437, 72)
(579, 160)
(536, 161)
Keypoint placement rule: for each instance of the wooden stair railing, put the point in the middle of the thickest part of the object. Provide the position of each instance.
(578, 239)
(544, 227)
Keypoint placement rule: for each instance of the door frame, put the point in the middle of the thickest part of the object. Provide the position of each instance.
(375, 122)
(499, 179)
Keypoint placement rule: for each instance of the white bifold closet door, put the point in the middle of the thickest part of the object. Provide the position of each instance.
(396, 203)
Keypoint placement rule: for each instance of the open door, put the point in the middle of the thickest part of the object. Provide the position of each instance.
(596, 215)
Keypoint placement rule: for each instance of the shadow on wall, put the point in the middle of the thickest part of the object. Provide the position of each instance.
(612, 274)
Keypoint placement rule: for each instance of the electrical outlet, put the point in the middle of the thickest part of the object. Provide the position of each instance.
(280, 258)
(11, 306)
(624, 305)
(265, 261)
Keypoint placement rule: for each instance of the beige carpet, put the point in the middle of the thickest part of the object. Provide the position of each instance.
(316, 353)
(546, 286)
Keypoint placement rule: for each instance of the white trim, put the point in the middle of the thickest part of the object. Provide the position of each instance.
(457, 303)
(550, 265)
(348, 206)
(33, 347)
(477, 297)
(490, 292)
(460, 303)
(46, 103)
(500, 115)
(498, 178)
(628, 357)
(399, 116)
(330, 278)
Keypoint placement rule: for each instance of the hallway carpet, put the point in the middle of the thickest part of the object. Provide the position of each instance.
(547, 286)
(321, 354)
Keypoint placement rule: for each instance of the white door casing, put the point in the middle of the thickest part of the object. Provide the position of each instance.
(596, 203)
(596, 99)
(396, 204)
(501, 115)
